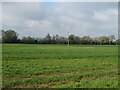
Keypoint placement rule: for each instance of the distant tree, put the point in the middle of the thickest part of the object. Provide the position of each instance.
(104, 40)
(77, 40)
(53, 40)
(96, 41)
(118, 41)
(9, 36)
(71, 39)
(62, 40)
(111, 38)
(57, 39)
(86, 39)
(48, 38)
(29, 40)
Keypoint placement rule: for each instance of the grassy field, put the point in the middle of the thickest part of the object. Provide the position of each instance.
(59, 66)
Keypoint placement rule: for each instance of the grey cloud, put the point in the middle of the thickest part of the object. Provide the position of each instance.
(38, 19)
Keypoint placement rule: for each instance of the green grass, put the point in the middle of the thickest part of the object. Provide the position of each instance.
(59, 66)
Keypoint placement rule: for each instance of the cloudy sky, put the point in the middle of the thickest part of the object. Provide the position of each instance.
(36, 19)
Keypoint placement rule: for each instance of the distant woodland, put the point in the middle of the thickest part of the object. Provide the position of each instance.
(10, 36)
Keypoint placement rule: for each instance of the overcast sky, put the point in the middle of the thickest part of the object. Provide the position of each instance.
(80, 18)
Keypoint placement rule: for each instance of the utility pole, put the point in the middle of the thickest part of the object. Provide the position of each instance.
(68, 40)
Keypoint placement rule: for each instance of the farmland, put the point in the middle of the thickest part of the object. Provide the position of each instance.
(59, 66)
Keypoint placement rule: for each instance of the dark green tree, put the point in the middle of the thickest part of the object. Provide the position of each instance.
(29, 40)
(48, 38)
(71, 38)
(9, 36)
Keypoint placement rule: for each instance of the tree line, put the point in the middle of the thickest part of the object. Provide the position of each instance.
(10, 36)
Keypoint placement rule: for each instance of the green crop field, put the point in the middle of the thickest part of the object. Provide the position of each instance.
(59, 66)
